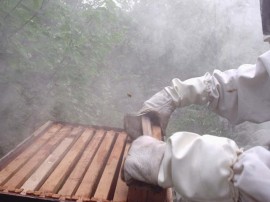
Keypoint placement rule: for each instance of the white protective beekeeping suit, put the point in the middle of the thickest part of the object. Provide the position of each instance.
(241, 94)
(208, 168)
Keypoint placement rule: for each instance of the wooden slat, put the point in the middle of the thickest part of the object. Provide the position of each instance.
(137, 194)
(157, 132)
(146, 194)
(57, 177)
(157, 196)
(25, 171)
(94, 171)
(39, 176)
(146, 126)
(121, 190)
(24, 144)
(22, 158)
(169, 197)
(110, 170)
(45, 168)
(77, 131)
(75, 166)
(75, 177)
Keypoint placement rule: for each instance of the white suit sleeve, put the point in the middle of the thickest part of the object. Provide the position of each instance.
(200, 167)
(252, 174)
(239, 95)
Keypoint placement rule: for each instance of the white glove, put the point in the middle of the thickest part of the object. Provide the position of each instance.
(180, 94)
(143, 160)
(159, 108)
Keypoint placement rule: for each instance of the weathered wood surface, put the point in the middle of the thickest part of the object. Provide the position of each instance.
(146, 126)
(43, 171)
(58, 176)
(109, 175)
(121, 190)
(94, 172)
(68, 162)
(7, 171)
(25, 171)
(20, 147)
(78, 172)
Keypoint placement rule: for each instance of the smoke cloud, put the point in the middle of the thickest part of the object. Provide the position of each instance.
(90, 62)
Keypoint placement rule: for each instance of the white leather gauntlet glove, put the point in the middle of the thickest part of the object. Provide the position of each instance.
(143, 160)
(179, 94)
(160, 106)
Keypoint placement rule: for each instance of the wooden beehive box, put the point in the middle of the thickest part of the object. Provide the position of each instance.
(67, 162)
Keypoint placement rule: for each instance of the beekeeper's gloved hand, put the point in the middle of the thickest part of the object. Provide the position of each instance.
(143, 160)
(160, 106)
(198, 167)
(179, 94)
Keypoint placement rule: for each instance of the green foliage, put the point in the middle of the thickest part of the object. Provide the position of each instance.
(199, 119)
(92, 61)
(54, 53)
(69, 45)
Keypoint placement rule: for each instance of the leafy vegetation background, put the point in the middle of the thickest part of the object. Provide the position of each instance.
(92, 61)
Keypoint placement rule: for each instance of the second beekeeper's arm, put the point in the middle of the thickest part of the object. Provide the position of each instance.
(207, 168)
(238, 94)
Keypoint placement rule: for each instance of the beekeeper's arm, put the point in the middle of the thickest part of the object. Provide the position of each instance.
(238, 94)
(200, 167)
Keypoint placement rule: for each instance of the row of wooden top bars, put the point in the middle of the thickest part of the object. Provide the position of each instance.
(65, 162)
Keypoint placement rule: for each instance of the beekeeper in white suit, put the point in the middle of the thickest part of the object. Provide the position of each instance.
(208, 168)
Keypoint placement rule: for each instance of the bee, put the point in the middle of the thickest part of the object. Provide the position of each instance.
(129, 94)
